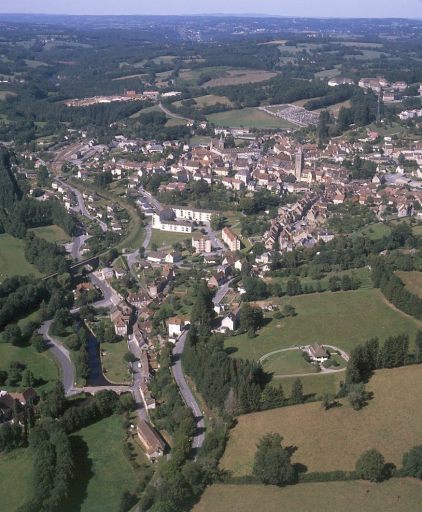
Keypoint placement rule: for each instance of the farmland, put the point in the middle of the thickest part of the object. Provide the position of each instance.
(12, 258)
(413, 281)
(392, 425)
(391, 496)
(249, 118)
(342, 319)
(224, 75)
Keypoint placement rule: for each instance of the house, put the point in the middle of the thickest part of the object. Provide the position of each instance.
(28, 396)
(201, 244)
(230, 322)
(138, 299)
(107, 274)
(120, 316)
(151, 440)
(176, 325)
(216, 280)
(317, 353)
(173, 257)
(230, 239)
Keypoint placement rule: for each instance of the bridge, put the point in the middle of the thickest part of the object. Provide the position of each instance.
(92, 259)
(92, 390)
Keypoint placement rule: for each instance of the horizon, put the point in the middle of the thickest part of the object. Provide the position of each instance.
(319, 9)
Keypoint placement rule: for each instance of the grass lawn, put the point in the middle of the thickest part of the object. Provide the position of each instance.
(392, 496)
(15, 479)
(375, 231)
(52, 234)
(249, 118)
(334, 440)
(102, 471)
(343, 319)
(315, 384)
(287, 363)
(174, 121)
(167, 238)
(114, 367)
(41, 365)
(147, 110)
(413, 281)
(212, 99)
(12, 258)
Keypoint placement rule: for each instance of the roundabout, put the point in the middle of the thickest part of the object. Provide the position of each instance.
(291, 362)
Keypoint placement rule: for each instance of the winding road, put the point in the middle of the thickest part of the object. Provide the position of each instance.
(172, 114)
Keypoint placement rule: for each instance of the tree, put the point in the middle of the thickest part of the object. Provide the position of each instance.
(418, 347)
(12, 334)
(28, 379)
(54, 402)
(371, 466)
(272, 462)
(289, 310)
(217, 222)
(203, 312)
(129, 357)
(250, 318)
(327, 401)
(296, 396)
(356, 396)
(272, 397)
(412, 462)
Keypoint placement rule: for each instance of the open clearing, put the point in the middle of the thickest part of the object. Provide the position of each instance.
(15, 479)
(6, 94)
(287, 363)
(391, 496)
(52, 234)
(114, 367)
(249, 118)
(103, 473)
(211, 99)
(12, 258)
(241, 76)
(413, 281)
(166, 239)
(333, 440)
(342, 319)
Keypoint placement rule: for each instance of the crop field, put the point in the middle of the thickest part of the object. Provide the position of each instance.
(237, 77)
(52, 234)
(249, 118)
(103, 473)
(413, 281)
(12, 258)
(342, 319)
(390, 423)
(212, 99)
(392, 496)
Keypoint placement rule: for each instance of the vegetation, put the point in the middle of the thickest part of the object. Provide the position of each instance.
(393, 411)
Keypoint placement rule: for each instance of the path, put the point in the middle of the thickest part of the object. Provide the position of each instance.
(172, 114)
(186, 393)
(324, 371)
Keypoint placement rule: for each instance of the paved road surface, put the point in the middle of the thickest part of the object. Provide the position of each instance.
(172, 114)
(63, 357)
(187, 395)
(221, 292)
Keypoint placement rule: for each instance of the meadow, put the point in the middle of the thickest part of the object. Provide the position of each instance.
(391, 496)
(12, 258)
(342, 319)
(334, 440)
(52, 233)
(412, 281)
(15, 479)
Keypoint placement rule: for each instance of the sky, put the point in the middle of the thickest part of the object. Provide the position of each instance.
(305, 8)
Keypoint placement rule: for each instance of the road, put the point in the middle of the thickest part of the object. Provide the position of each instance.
(63, 357)
(137, 379)
(157, 206)
(216, 242)
(172, 114)
(324, 371)
(221, 292)
(186, 393)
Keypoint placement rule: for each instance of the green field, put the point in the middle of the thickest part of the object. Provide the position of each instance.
(334, 439)
(41, 365)
(287, 363)
(52, 234)
(147, 110)
(114, 367)
(102, 471)
(12, 258)
(167, 238)
(6, 94)
(249, 118)
(15, 479)
(342, 319)
(212, 99)
(392, 496)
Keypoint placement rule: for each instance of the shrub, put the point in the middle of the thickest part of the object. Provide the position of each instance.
(412, 462)
(371, 466)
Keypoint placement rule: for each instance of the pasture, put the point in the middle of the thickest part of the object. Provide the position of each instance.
(412, 281)
(12, 258)
(342, 319)
(15, 478)
(334, 440)
(391, 496)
